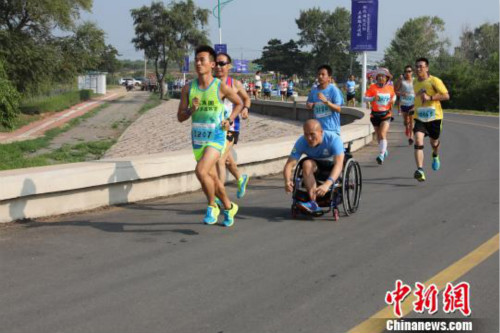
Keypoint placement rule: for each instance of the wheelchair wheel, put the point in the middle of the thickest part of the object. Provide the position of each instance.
(295, 210)
(351, 186)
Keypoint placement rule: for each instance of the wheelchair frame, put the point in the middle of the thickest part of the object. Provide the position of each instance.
(346, 191)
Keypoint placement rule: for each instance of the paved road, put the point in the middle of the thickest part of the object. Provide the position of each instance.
(152, 267)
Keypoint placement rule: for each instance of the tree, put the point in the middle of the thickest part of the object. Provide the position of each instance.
(9, 100)
(480, 44)
(328, 34)
(418, 37)
(32, 54)
(39, 18)
(166, 34)
(109, 61)
(284, 58)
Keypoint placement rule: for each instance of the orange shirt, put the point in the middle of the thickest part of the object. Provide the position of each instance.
(381, 99)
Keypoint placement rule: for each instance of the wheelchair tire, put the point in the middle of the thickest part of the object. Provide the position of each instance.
(295, 211)
(351, 186)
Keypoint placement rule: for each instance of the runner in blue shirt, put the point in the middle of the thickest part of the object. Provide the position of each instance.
(350, 87)
(325, 100)
(326, 151)
(266, 89)
(289, 90)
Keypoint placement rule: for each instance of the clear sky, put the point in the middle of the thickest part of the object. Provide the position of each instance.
(247, 25)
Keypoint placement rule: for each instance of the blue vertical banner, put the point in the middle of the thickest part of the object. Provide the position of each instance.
(364, 20)
(220, 48)
(185, 67)
(240, 66)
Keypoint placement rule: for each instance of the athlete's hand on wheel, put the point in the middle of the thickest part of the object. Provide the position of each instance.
(321, 191)
(288, 186)
(244, 113)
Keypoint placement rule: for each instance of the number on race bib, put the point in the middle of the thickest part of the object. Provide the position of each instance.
(426, 114)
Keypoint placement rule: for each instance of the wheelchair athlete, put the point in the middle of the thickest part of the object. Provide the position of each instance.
(320, 147)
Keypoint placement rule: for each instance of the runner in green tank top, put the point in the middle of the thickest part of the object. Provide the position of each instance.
(202, 102)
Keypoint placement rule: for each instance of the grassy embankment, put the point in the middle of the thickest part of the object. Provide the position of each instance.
(21, 154)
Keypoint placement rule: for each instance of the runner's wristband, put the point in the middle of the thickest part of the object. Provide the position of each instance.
(331, 179)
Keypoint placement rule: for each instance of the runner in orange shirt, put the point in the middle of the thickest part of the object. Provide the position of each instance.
(381, 97)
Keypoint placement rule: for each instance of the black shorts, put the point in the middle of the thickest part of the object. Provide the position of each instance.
(283, 93)
(289, 93)
(324, 169)
(377, 118)
(432, 128)
(233, 136)
(267, 93)
(409, 109)
(351, 96)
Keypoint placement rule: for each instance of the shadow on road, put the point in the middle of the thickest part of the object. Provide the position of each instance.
(125, 227)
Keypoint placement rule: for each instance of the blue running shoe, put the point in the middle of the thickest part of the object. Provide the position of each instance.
(229, 215)
(242, 186)
(380, 159)
(436, 163)
(386, 154)
(218, 202)
(310, 207)
(211, 215)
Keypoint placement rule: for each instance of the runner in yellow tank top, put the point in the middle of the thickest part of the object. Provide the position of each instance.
(202, 101)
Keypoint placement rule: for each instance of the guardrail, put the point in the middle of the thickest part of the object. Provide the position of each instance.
(67, 188)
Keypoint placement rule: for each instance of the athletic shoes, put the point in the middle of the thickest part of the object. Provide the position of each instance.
(242, 186)
(211, 215)
(218, 202)
(229, 215)
(419, 175)
(386, 154)
(436, 163)
(311, 207)
(380, 159)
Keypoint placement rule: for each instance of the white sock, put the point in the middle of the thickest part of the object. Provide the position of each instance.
(382, 145)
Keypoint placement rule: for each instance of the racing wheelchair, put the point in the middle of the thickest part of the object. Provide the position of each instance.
(346, 191)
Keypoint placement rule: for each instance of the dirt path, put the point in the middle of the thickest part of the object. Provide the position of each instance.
(108, 123)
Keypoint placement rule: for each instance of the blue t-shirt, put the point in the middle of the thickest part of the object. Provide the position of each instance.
(266, 86)
(330, 120)
(331, 145)
(290, 87)
(350, 85)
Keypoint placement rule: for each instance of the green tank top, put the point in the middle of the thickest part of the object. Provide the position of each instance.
(211, 108)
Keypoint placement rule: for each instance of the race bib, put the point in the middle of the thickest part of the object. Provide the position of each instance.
(408, 100)
(383, 99)
(321, 110)
(426, 114)
(202, 133)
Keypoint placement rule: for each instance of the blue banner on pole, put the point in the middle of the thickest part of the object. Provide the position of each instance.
(364, 18)
(240, 66)
(185, 67)
(220, 48)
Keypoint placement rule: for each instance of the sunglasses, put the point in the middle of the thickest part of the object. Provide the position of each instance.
(408, 71)
(221, 63)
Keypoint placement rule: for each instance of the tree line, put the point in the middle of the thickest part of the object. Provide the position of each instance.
(470, 71)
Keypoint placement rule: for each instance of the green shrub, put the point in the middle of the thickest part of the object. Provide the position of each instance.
(9, 100)
(55, 103)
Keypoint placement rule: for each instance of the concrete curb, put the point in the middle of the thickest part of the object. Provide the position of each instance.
(67, 188)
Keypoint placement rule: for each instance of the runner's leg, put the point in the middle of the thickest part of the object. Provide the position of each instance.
(309, 167)
(203, 172)
(419, 153)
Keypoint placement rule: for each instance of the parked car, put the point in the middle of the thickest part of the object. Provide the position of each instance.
(136, 82)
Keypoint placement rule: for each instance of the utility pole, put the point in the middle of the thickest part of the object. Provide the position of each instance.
(218, 16)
